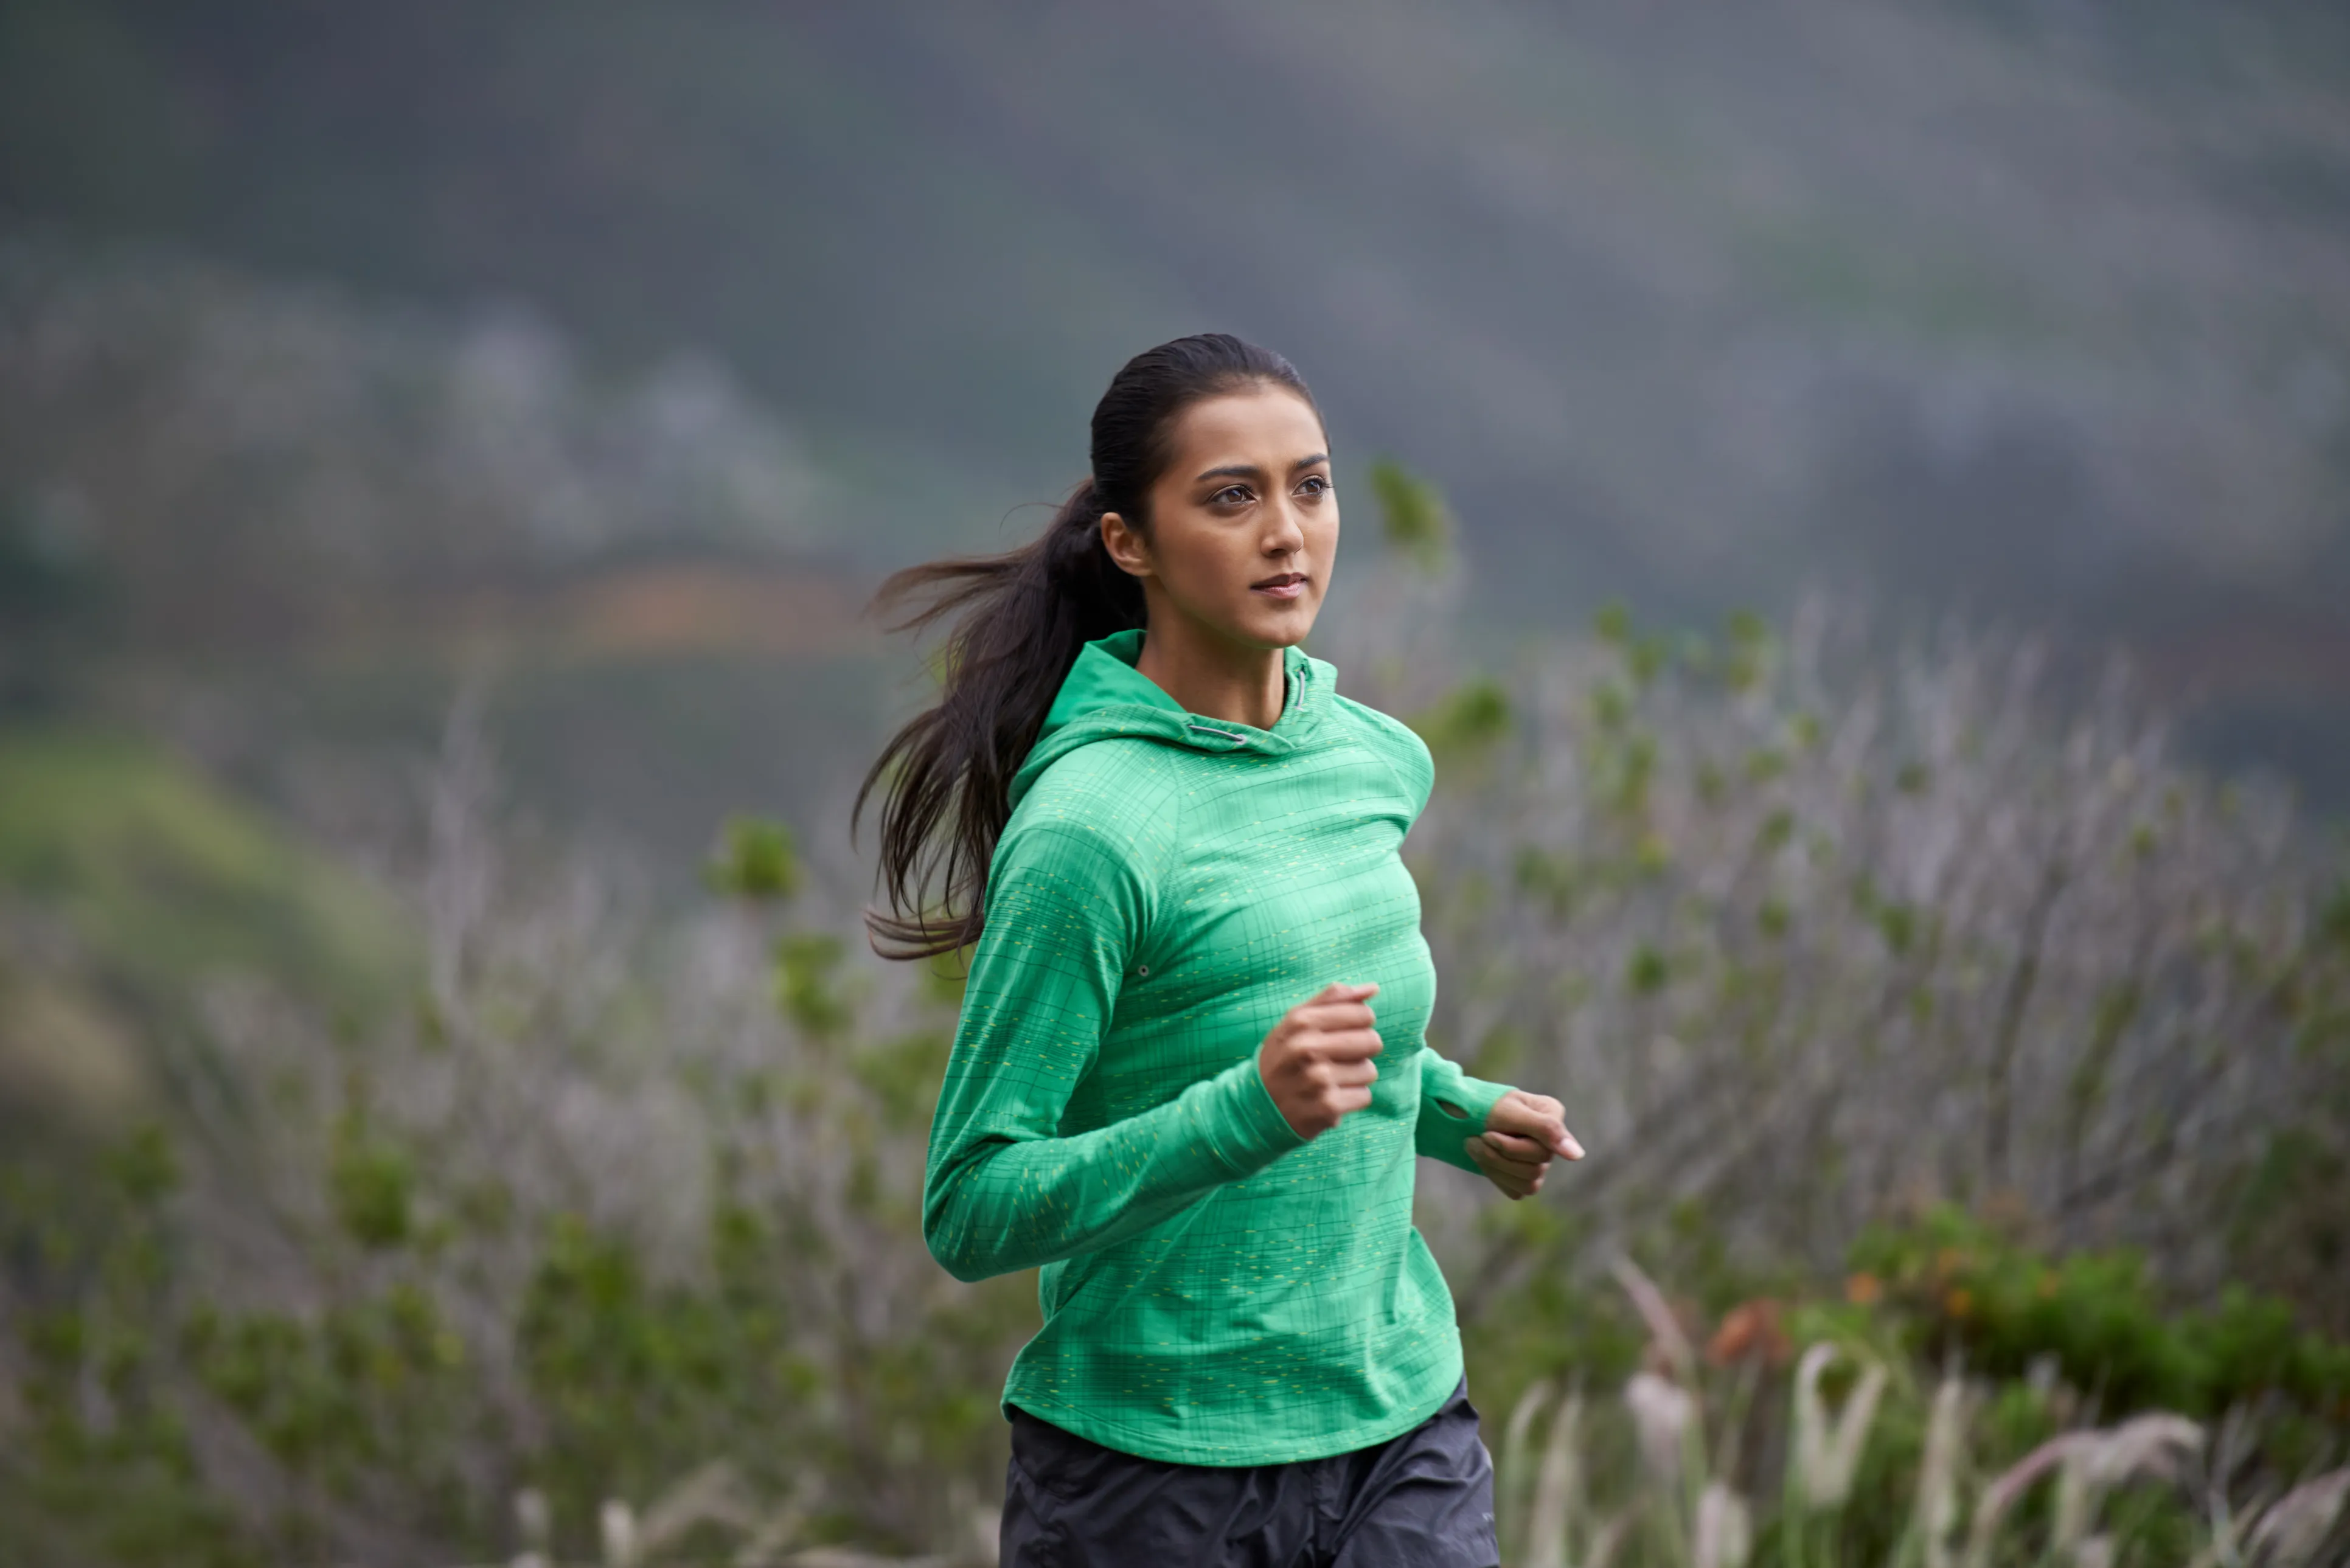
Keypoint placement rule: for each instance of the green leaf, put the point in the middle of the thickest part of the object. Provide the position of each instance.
(758, 861)
(1472, 718)
(371, 1184)
(1412, 514)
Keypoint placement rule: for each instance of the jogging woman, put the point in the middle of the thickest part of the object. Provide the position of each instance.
(1190, 1079)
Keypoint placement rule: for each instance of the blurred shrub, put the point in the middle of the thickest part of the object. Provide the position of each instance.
(1801, 922)
(1957, 1361)
(1412, 516)
(621, 1199)
(1467, 721)
(757, 861)
(613, 1201)
(1960, 1283)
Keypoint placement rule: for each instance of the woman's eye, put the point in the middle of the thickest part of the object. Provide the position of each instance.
(1232, 493)
(1314, 484)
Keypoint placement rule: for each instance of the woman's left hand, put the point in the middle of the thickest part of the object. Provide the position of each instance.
(1522, 1133)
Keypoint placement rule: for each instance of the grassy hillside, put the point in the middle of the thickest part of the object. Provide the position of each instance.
(127, 881)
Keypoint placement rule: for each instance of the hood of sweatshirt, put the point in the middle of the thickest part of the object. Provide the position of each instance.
(1105, 696)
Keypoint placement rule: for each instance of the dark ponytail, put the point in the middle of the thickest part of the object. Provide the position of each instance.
(1020, 620)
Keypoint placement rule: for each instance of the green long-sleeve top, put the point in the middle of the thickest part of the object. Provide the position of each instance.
(1215, 1289)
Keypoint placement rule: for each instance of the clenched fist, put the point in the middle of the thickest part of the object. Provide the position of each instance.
(1316, 1062)
(1522, 1133)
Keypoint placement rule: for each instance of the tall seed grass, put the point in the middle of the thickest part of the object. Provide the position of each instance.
(1673, 1511)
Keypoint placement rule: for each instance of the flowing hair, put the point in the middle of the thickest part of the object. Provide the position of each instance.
(1019, 619)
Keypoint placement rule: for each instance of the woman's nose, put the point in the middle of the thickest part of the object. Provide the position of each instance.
(1287, 536)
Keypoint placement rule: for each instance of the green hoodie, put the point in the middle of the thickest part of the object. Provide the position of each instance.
(1216, 1289)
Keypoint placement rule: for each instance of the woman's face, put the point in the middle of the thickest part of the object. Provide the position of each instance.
(1243, 524)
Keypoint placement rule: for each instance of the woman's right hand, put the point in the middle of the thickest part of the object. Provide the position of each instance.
(1316, 1062)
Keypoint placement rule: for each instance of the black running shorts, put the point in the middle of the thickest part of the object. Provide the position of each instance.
(1420, 1500)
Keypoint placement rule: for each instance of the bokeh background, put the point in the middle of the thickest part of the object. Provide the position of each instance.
(1857, 495)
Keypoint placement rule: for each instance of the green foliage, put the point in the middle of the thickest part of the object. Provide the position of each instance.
(1816, 878)
(446, 1336)
(633, 1373)
(372, 1183)
(806, 987)
(2054, 1360)
(347, 1396)
(1957, 1282)
(2334, 919)
(1749, 654)
(757, 861)
(101, 1467)
(448, 1331)
(142, 1168)
(1412, 515)
(2276, 1228)
(1472, 719)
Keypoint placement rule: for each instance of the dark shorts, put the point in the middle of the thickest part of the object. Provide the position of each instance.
(1423, 1499)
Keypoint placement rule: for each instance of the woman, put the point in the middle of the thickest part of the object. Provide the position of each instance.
(1175, 847)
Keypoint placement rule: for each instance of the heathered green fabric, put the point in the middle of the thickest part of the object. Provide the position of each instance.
(1215, 1289)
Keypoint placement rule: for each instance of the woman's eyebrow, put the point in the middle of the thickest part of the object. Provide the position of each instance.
(1250, 470)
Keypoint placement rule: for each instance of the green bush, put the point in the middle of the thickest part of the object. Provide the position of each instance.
(1956, 1282)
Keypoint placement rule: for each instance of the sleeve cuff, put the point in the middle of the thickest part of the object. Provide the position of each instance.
(1243, 1123)
(1474, 1096)
(1441, 1134)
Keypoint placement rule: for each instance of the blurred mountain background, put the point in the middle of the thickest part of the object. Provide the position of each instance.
(2038, 311)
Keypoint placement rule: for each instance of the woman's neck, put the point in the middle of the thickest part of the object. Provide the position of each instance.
(1215, 677)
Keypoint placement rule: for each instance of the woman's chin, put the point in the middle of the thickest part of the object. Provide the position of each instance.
(1278, 623)
(1285, 632)
(1260, 622)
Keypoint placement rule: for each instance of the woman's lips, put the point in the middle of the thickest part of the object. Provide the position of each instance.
(1286, 587)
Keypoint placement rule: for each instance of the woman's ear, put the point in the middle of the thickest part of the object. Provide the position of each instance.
(1126, 546)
